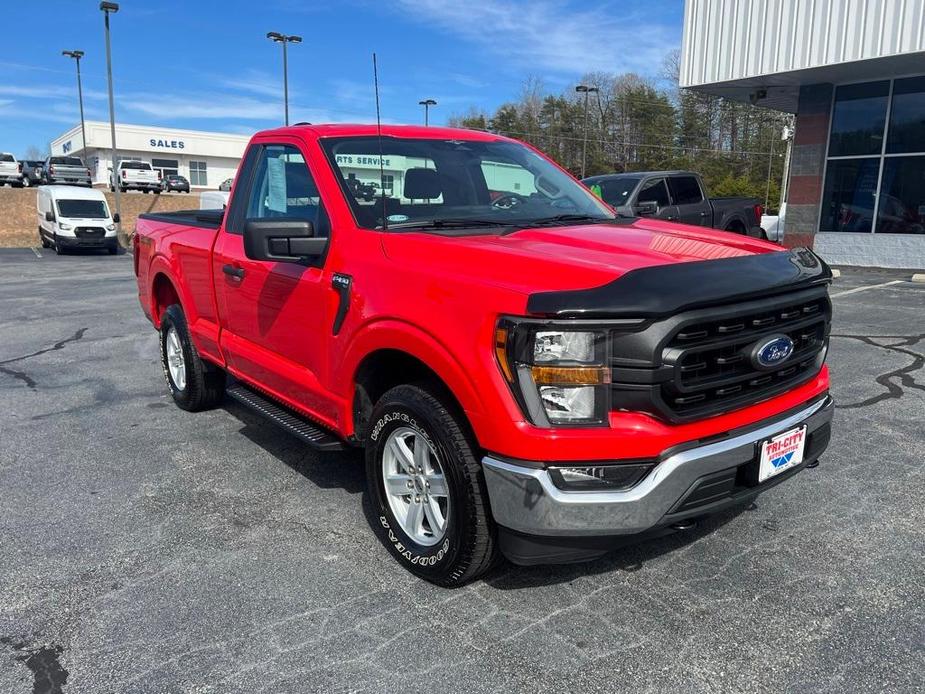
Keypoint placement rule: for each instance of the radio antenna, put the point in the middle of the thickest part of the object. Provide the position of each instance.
(385, 223)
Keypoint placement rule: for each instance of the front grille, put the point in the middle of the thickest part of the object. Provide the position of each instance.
(90, 232)
(713, 362)
(700, 363)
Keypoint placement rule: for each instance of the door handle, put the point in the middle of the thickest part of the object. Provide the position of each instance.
(703, 214)
(233, 271)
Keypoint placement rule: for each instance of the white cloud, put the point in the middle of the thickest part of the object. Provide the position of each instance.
(257, 82)
(199, 106)
(554, 36)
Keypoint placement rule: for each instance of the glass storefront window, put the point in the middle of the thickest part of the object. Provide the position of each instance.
(902, 196)
(858, 119)
(848, 197)
(907, 116)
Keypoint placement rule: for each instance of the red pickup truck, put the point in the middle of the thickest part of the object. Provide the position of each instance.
(530, 373)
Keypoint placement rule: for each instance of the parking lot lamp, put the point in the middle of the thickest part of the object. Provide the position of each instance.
(427, 103)
(77, 55)
(107, 8)
(276, 37)
(586, 90)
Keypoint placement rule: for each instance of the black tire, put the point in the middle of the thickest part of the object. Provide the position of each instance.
(205, 382)
(59, 250)
(114, 250)
(468, 547)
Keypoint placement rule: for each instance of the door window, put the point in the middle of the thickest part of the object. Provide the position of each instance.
(686, 190)
(656, 191)
(283, 188)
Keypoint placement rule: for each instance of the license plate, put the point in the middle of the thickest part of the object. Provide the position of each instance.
(781, 453)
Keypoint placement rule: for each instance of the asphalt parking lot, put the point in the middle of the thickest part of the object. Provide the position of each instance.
(146, 549)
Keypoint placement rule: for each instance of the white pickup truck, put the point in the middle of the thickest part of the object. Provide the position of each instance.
(135, 175)
(10, 170)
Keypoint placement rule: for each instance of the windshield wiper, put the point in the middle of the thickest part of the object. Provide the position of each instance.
(450, 223)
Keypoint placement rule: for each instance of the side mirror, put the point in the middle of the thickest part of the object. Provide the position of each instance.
(287, 240)
(116, 218)
(49, 216)
(645, 208)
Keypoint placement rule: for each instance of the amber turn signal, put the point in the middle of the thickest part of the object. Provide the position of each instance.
(570, 375)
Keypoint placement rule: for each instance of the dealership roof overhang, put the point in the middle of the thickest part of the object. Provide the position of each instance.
(783, 88)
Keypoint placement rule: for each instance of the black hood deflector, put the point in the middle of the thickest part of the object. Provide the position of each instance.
(661, 290)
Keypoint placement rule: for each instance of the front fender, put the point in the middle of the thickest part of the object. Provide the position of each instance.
(416, 342)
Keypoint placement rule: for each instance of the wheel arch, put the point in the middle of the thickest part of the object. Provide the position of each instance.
(396, 354)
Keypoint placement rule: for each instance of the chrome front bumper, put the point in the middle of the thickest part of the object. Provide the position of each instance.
(524, 498)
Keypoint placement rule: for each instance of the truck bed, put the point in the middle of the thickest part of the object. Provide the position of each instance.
(206, 219)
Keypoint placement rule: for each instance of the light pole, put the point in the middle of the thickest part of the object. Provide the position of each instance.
(276, 37)
(427, 103)
(586, 90)
(107, 8)
(77, 55)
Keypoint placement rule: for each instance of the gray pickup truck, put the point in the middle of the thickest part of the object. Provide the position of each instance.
(677, 196)
(66, 170)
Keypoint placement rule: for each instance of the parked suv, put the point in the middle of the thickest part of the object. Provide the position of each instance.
(67, 170)
(528, 372)
(10, 170)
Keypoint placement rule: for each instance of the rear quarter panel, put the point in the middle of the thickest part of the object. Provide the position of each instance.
(182, 255)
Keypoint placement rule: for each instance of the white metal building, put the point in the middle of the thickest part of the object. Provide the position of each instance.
(204, 158)
(853, 72)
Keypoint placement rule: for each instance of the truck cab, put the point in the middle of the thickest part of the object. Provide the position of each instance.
(10, 170)
(528, 373)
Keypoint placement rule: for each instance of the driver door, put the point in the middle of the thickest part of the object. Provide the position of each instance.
(656, 190)
(274, 314)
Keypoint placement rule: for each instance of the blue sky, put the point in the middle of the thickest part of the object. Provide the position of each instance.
(207, 65)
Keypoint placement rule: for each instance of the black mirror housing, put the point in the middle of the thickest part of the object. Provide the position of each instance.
(282, 240)
(645, 208)
(49, 216)
(116, 218)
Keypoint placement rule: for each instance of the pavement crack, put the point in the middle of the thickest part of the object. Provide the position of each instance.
(25, 377)
(898, 380)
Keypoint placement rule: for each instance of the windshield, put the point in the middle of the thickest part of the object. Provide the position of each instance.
(615, 191)
(83, 209)
(425, 181)
(6, 157)
(143, 165)
(67, 161)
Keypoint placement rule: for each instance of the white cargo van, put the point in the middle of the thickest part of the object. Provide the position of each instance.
(72, 217)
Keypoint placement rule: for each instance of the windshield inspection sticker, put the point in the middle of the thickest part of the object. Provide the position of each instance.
(276, 185)
(397, 218)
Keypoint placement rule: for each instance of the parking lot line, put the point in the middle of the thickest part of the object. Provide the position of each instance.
(36, 251)
(865, 288)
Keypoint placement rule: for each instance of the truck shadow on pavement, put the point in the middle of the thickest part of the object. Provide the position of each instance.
(327, 470)
(346, 471)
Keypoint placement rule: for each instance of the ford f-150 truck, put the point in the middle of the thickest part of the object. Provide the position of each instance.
(529, 373)
(677, 196)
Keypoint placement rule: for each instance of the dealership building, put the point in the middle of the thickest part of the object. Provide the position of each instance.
(853, 73)
(205, 159)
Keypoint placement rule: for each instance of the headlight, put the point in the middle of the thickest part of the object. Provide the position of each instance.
(558, 374)
(110, 227)
(64, 227)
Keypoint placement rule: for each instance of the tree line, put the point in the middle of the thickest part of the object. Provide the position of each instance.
(636, 123)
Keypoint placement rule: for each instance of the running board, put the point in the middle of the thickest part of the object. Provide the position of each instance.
(297, 425)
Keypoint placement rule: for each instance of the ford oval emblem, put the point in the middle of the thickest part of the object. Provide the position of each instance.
(772, 351)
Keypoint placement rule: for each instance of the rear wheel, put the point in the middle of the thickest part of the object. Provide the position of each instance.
(427, 487)
(193, 383)
(26, 183)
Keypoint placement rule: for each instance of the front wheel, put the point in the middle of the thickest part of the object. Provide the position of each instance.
(26, 183)
(193, 383)
(427, 487)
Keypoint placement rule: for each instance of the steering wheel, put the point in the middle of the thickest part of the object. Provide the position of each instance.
(508, 201)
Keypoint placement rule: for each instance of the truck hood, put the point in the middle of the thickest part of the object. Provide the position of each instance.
(569, 257)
